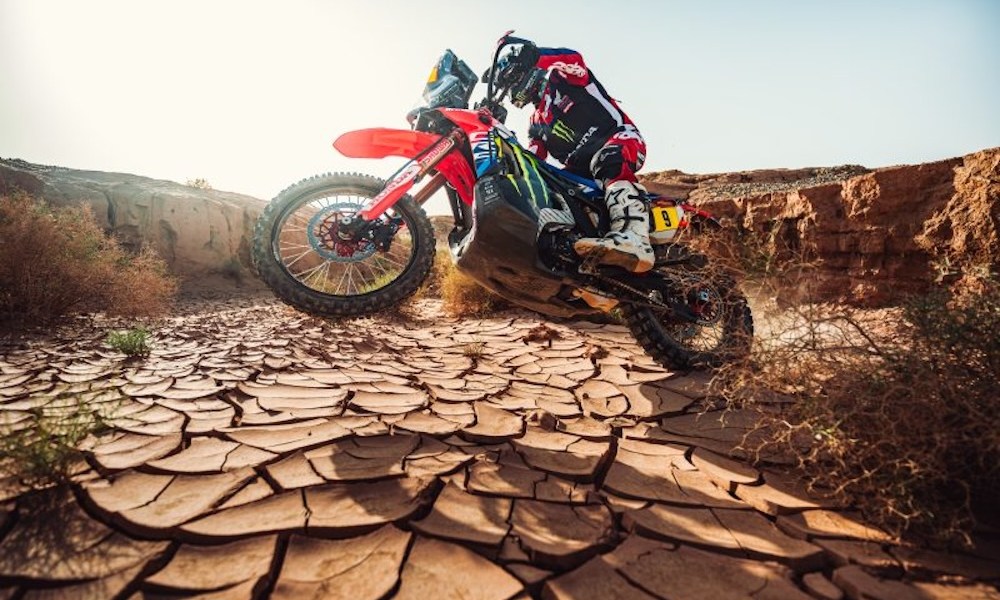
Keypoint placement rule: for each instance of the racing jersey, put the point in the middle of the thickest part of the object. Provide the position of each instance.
(575, 115)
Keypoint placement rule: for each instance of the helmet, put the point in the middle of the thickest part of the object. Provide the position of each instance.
(517, 72)
(529, 89)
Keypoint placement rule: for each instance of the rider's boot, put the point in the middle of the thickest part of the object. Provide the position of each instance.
(627, 243)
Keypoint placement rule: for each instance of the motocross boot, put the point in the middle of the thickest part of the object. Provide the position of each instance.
(627, 243)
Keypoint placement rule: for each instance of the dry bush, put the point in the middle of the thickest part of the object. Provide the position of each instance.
(461, 295)
(894, 411)
(56, 261)
(431, 287)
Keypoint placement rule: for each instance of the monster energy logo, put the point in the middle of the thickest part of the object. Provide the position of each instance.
(563, 132)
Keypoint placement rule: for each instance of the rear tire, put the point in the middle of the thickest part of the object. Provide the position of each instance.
(319, 295)
(676, 343)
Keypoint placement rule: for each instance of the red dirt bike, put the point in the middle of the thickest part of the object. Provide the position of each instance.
(347, 244)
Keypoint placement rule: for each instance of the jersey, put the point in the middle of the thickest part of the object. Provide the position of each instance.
(575, 116)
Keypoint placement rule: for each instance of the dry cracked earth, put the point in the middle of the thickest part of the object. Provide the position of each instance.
(258, 452)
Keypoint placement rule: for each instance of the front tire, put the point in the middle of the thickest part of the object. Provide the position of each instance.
(298, 254)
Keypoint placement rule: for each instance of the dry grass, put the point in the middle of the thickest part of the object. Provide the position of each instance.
(58, 261)
(43, 450)
(461, 295)
(893, 411)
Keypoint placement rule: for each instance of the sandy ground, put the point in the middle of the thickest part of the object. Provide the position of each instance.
(260, 452)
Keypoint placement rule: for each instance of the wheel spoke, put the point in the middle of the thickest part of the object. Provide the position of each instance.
(307, 252)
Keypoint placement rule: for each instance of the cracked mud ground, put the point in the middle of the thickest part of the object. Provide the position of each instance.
(258, 452)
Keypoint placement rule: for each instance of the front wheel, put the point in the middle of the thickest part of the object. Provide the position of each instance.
(717, 328)
(302, 250)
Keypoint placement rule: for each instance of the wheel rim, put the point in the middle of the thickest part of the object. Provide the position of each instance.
(711, 329)
(307, 246)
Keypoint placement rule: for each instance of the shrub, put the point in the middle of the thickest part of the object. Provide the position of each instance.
(894, 411)
(199, 182)
(56, 261)
(474, 349)
(43, 450)
(133, 342)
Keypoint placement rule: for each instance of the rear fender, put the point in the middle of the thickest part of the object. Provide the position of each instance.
(382, 142)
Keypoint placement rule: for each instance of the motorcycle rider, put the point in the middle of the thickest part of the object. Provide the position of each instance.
(579, 124)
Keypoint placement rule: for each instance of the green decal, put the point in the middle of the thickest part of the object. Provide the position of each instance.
(563, 131)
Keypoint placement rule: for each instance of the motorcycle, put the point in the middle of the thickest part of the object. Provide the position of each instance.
(339, 244)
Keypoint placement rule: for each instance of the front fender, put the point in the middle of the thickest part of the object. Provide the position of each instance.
(381, 142)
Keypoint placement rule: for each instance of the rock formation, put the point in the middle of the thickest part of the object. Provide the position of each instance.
(199, 232)
(879, 234)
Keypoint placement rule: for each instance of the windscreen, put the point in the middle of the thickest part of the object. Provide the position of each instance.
(450, 83)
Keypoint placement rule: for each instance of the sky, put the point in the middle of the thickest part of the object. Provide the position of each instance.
(249, 95)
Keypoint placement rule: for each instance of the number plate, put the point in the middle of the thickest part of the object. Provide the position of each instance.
(665, 218)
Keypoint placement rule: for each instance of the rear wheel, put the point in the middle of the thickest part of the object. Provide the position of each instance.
(304, 250)
(719, 327)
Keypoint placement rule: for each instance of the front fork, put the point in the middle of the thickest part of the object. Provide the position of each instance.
(368, 222)
(411, 173)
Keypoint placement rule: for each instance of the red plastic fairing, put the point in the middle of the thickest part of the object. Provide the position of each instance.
(383, 142)
(469, 120)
